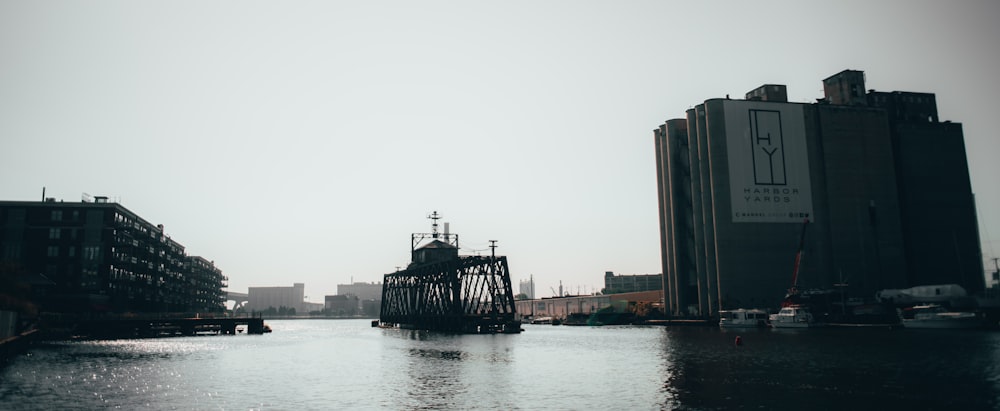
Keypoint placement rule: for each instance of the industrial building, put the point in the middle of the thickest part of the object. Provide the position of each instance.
(617, 284)
(367, 301)
(98, 256)
(563, 307)
(282, 300)
(342, 304)
(870, 186)
(364, 291)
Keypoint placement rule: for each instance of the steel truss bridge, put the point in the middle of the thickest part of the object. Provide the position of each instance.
(468, 294)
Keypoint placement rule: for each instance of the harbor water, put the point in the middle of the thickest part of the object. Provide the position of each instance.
(347, 364)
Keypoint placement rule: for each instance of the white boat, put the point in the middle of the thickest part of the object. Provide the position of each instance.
(793, 316)
(742, 318)
(936, 316)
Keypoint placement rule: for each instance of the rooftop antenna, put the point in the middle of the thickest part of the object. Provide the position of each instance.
(434, 226)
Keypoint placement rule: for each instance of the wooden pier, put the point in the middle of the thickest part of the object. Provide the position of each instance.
(168, 327)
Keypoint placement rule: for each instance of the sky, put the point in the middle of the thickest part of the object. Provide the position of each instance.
(304, 141)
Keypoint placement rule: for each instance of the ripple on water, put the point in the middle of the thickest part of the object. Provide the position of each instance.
(321, 364)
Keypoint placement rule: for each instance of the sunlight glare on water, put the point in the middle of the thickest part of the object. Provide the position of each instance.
(346, 364)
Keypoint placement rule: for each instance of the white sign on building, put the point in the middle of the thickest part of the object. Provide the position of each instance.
(768, 162)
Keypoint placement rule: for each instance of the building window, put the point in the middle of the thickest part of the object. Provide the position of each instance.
(56, 215)
(72, 251)
(53, 251)
(12, 251)
(91, 252)
(54, 233)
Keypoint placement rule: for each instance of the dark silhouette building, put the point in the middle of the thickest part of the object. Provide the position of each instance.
(883, 185)
(101, 257)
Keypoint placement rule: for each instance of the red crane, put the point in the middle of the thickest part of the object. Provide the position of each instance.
(793, 291)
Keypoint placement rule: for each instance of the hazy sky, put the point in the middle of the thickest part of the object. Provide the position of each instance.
(303, 141)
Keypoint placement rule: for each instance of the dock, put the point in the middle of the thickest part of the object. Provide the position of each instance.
(150, 327)
(683, 322)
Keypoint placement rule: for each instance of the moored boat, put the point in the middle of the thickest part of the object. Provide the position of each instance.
(743, 318)
(794, 316)
(936, 316)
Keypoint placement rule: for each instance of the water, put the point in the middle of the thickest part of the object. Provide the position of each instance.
(346, 364)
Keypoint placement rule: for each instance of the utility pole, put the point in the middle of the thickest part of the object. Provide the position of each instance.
(493, 248)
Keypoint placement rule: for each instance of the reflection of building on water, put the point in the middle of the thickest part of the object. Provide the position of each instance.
(883, 181)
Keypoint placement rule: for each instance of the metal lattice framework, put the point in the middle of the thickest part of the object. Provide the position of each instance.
(469, 294)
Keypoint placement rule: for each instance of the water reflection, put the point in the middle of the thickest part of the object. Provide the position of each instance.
(453, 371)
(101, 374)
(349, 365)
(668, 370)
(434, 379)
(831, 368)
(432, 353)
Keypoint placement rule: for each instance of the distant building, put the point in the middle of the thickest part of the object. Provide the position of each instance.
(527, 288)
(369, 297)
(616, 284)
(883, 184)
(371, 308)
(342, 304)
(364, 291)
(100, 256)
(264, 298)
(311, 308)
(561, 307)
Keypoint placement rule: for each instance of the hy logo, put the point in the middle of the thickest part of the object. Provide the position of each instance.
(768, 148)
